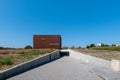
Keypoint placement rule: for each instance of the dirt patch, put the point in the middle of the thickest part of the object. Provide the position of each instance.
(104, 54)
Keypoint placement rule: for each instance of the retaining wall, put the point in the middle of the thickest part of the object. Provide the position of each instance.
(90, 59)
(113, 64)
(29, 65)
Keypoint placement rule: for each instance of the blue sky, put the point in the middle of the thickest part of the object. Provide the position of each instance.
(79, 22)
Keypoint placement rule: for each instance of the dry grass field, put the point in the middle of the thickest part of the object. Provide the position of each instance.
(10, 58)
(104, 54)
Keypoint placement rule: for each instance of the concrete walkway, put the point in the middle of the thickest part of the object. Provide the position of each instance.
(64, 68)
(105, 73)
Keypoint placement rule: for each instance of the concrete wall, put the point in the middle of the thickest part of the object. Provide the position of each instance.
(115, 65)
(29, 65)
(90, 59)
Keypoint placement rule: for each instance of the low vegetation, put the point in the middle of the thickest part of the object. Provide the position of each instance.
(103, 46)
(10, 58)
(107, 54)
(6, 61)
(106, 48)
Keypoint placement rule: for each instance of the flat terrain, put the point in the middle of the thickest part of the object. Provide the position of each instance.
(10, 58)
(104, 54)
(64, 68)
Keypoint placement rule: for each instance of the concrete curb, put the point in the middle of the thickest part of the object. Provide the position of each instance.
(107, 70)
(90, 59)
(29, 65)
(113, 64)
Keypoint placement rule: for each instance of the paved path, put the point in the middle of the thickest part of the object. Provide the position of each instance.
(64, 68)
(105, 73)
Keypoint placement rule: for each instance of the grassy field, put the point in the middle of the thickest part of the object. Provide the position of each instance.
(10, 58)
(104, 54)
(112, 48)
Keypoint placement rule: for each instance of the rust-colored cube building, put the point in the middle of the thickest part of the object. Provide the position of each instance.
(46, 41)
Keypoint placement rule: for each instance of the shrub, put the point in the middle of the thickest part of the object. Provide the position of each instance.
(91, 46)
(72, 47)
(87, 46)
(28, 47)
(1, 48)
(104, 45)
(6, 61)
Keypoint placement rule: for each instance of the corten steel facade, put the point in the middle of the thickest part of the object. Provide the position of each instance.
(46, 41)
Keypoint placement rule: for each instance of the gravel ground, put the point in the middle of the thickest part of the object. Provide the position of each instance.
(104, 54)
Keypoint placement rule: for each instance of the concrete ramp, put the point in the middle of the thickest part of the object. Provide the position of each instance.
(64, 68)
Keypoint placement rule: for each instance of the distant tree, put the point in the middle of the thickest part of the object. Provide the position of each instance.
(104, 45)
(113, 45)
(65, 47)
(28, 47)
(1, 47)
(72, 47)
(92, 45)
(7, 48)
(79, 47)
(87, 46)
